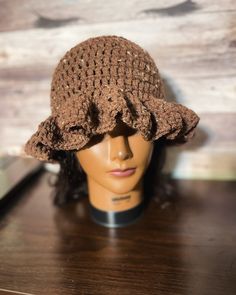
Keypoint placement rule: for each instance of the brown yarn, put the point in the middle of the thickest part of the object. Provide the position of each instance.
(98, 81)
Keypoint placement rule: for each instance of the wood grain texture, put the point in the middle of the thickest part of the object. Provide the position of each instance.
(192, 42)
(186, 246)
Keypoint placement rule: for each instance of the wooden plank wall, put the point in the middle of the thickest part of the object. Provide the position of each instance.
(192, 42)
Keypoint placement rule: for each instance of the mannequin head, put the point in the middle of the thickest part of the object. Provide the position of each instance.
(122, 148)
(73, 178)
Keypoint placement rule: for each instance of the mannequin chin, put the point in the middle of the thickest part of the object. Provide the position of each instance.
(122, 148)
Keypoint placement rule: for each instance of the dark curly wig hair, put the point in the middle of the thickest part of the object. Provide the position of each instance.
(71, 182)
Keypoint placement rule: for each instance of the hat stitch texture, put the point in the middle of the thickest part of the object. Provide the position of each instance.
(98, 81)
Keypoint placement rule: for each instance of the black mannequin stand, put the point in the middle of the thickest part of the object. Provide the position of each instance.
(116, 219)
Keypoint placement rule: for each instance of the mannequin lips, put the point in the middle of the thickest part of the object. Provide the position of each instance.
(120, 172)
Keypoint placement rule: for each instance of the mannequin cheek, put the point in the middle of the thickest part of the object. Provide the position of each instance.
(150, 154)
(93, 164)
(82, 159)
(147, 156)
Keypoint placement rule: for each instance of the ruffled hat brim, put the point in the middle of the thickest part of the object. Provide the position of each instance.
(81, 119)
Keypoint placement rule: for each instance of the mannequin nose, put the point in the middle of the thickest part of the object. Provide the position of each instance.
(119, 148)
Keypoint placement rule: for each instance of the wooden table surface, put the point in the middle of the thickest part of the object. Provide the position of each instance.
(184, 247)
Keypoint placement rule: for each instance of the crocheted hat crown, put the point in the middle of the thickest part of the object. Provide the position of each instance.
(95, 83)
(104, 62)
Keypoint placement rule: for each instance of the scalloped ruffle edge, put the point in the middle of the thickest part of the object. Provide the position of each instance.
(81, 118)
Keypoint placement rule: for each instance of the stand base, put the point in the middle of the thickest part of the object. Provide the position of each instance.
(116, 219)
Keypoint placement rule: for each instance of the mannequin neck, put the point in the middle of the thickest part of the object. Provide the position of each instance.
(105, 200)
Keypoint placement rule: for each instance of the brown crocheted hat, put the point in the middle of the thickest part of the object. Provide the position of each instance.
(95, 83)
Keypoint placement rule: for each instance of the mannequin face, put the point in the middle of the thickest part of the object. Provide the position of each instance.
(122, 148)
